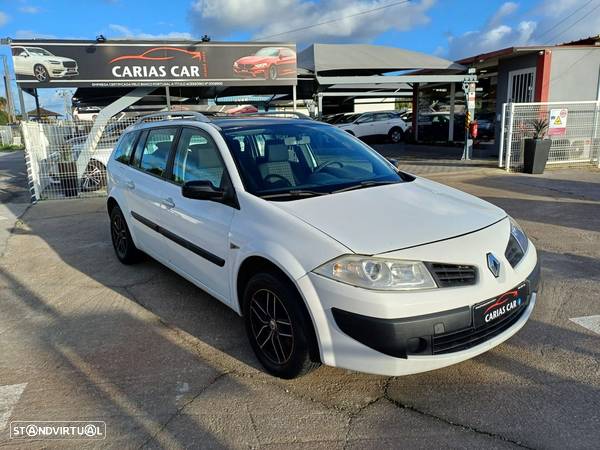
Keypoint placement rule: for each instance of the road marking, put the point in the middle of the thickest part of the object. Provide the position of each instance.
(592, 323)
(9, 396)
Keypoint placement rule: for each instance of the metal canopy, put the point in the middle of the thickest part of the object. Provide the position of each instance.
(384, 80)
(368, 59)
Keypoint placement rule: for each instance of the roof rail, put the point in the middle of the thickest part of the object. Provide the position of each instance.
(297, 115)
(172, 115)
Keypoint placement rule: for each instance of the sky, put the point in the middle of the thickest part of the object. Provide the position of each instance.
(450, 29)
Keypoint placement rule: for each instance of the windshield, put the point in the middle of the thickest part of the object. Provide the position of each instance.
(38, 51)
(347, 118)
(268, 51)
(304, 158)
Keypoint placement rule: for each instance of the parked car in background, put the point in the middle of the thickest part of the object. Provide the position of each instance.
(434, 126)
(269, 63)
(328, 252)
(486, 125)
(383, 123)
(41, 64)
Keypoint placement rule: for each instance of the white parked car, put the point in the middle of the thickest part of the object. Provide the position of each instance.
(41, 64)
(384, 123)
(329, 252)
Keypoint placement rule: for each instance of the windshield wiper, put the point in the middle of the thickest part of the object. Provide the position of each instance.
(294, 193)
(364, 184)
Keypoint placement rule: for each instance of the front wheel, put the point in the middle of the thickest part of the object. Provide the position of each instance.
(40, 73)
(277, 327)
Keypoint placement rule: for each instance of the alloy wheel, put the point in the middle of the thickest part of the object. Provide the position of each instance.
(40, 73)
(119, 234)
(92, 179)
(396, 136)
(271, 326)
(273, 72)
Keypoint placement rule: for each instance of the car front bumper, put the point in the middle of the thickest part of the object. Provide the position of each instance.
(60, 72)
(250, 73)
(401, 333)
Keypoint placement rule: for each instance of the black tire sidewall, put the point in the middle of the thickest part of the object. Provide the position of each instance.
(391, 133)
(131, 253)
(300, 358)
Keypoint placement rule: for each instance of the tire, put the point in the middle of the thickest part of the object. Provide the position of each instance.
(40, 73)
(277, 326)
(396, 135)
(273, 72)
(123, 245)
(94, 177)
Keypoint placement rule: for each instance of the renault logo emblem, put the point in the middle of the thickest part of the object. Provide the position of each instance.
(493, 264)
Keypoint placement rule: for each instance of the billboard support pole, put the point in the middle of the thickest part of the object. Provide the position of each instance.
(294, 97)
(22, 104)
(168, 95)
(37, 103)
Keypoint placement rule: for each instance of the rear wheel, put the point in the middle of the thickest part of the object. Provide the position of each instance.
(125, 249)
(94, 177)
(273, 72)
(396, 135)
(277, 326)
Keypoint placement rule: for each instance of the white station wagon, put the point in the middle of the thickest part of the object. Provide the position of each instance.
(329, 252)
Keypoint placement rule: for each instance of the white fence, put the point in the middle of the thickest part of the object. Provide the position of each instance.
(65, 160)
(579, 145)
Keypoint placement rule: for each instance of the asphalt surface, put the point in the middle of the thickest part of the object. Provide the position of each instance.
(165, 365)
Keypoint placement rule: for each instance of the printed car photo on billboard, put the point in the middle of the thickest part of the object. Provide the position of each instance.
(41, 64)
(270, 63)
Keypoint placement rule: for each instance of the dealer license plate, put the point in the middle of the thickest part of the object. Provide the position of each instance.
(491, 311)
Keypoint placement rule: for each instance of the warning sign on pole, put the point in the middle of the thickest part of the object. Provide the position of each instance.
(557, 125)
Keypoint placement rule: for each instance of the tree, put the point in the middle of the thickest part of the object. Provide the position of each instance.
(3, 118)
(2, 104)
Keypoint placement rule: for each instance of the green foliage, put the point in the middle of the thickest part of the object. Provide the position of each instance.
(3, 118)
(540, 126)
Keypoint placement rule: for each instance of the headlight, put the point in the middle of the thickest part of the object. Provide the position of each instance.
(51, 61)
(261, 65)
(377, 273)
(235, 64)
(518, 233)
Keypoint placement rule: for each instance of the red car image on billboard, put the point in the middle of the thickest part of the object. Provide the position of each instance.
(270, 63)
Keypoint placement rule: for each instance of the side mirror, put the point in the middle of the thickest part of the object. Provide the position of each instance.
(202, 190)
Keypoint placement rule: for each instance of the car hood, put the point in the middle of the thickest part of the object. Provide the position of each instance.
(392, 217)
(57, 58)
(254, 59)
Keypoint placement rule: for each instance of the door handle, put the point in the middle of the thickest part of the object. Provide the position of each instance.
(168, 203)
(130, 185)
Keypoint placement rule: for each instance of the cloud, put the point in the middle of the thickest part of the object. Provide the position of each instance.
(567, 20)
(29, 9)
(123, 32)
(495, 34)
(266, 18)
(30, 34)
(3, 18)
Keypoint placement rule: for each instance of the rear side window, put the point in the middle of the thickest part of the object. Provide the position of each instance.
(156, 149)
(125, 148)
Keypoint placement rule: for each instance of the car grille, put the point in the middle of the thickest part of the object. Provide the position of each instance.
(470, 337)
(246, 66)
(514, 252)
(69, 64)
(453, 275)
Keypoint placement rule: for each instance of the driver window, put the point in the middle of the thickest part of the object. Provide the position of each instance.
(197, 158)
(365, 119)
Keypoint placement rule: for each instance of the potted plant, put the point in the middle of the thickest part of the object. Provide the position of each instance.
(537, 148)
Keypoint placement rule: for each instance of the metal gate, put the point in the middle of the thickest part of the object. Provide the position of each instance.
(578, 145)
(67, 158)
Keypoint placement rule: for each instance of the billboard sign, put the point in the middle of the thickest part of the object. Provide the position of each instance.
(60, 63)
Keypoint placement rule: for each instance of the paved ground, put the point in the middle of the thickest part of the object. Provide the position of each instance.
(85, 338)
